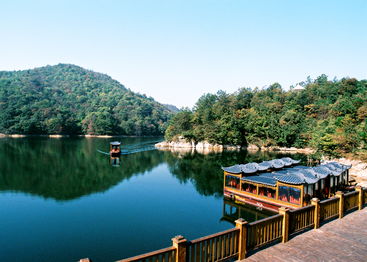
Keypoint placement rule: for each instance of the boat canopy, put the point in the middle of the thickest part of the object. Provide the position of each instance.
(265, 165)
(250, 168)
(236, 169)
(269, 181)
(296, 176)
(115, 143)
(253, 167)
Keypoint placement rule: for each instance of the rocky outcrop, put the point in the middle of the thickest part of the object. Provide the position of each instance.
(204, 147)
(288, 149)
(200, 147)
(253, 148)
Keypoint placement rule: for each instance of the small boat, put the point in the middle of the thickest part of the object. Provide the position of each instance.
(115, 149)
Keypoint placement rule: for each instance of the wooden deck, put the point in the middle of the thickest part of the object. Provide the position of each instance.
(339, 240)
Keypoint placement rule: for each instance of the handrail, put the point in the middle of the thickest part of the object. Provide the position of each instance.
(264, 220)
(300, 219)
(301, 209)
(332, 199)
(216, 247)
(214, 235)
(150, 254)
(329, 208)
(351, 193)
(264, 231)
(350, 200)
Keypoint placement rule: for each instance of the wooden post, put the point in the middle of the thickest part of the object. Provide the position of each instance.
(285, 227)
(360, 197)
(180, 243)
(316, 202)
(242, 240)
(341, 203)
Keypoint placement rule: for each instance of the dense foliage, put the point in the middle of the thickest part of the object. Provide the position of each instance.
(327, 115)
(67, 99)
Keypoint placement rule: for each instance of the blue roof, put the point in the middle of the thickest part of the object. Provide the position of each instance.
(253, 167)
(287, 161)
(339, 166)
(290, 160)
(261, 180)
(296, 175)
(321, 172)
(250, 168)
(291, 178)
(269, 174)
(308, 175)
(264, 165)
(236, 169)
(302, 167)
(277, 163)
(115, 143)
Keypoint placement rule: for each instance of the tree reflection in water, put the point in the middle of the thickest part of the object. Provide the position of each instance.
(68, 168)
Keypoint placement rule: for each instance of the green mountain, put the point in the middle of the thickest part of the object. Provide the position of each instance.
(330, 116)
(67, 99)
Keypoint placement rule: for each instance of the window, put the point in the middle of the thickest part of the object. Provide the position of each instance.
(268, 192)
(289, 194)
(232, 181)
(249, 188)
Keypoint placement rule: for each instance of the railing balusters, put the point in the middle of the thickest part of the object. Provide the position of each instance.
(225, 245)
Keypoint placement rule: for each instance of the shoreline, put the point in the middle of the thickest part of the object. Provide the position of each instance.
(65, 136)
(183, 145)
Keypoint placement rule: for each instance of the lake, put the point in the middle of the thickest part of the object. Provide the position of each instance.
(62, 200)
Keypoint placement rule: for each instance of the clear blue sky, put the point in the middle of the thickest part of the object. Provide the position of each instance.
(175, 51)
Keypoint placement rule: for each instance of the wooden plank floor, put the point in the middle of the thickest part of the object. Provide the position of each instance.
(339, 240)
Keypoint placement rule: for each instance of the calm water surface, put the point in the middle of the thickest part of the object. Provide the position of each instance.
(61, 200)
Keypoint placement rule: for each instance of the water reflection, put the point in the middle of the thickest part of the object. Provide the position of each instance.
(115, 161)
(233, 211)
(65, 169)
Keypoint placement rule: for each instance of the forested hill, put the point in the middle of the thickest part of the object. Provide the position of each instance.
(327, 115)
(67, 99)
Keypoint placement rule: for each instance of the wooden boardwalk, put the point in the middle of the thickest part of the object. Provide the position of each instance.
(339, 240)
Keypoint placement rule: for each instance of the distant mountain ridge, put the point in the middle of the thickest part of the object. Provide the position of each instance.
(68, 99)
(172, 108)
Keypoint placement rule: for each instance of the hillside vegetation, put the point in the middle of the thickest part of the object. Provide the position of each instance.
(327, 115)
(67, 99)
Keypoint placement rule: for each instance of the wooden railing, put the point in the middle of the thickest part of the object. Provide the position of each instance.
(264, 231)
(162, 255)
(350, 200)
(220, 246)
(301, 218)
(235, 243)
(329, 208)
